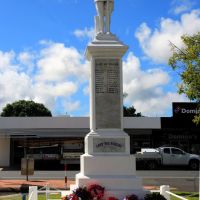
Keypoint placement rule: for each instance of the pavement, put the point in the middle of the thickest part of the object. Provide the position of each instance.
(12, 182)
(22, 185)
(18, 185)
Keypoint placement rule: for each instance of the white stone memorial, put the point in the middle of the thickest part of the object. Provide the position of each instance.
(107, 160)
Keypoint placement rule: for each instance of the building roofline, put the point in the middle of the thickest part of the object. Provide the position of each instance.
(72, 122)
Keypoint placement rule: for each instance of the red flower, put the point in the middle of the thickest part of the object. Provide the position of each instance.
(96, 191)
(72, 197)
(111, 198)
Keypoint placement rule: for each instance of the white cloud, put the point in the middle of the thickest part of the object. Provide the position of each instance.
(26, 62)
(14, 86)
(146, 89)
(155, 43)
(58, 62)
(58, 73)
(6, 59)
(160, 105)
(180, 6)
(85, 33)
(72, 106)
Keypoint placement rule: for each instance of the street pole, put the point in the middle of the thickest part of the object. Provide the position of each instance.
(25, 156)
(65, 174)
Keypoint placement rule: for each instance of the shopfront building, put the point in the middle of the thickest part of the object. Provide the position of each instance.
(62, 138)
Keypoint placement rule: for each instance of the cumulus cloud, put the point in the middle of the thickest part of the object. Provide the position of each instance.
(180, 6)
(58, 62)
(85, 33)
(6, 59)
(60, 72)
(26, 61)
(55, 71)
(146, 88)
(155, 43)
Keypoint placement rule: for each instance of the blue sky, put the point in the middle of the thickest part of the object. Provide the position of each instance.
(42, 44)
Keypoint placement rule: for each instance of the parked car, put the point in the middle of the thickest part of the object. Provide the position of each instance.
(166, 156)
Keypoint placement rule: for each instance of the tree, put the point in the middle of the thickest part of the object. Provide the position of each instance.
(131, 112)
(24, 108)
(186, 61)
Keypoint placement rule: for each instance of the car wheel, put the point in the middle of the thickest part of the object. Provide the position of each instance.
(194, 164)
(152, 165)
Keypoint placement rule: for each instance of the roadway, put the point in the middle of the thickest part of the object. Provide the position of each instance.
(179, 180)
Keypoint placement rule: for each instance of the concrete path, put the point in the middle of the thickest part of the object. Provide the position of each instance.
(179, 180)
(18, 184)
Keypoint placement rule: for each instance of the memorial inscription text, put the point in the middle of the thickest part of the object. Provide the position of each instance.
(107, 95)
(109, 145)
(107, 76)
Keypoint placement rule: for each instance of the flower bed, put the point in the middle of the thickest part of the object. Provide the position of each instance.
(96, 192)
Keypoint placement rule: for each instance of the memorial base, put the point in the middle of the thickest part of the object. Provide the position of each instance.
(116, 171)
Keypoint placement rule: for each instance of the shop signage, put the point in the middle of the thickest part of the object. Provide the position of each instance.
(27, 166)
(182, 137)
(109, 145)
(185, 109)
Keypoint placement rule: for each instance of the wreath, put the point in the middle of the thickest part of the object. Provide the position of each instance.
(96, 191)
(79, 194)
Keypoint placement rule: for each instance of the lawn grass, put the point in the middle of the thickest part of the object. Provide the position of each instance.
(187, 195)
(52, 196)
(40, 197)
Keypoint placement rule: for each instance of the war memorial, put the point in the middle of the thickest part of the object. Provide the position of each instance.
(107, 160)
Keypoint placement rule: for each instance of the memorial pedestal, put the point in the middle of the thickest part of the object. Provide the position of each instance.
(114, 170)
(107, 160)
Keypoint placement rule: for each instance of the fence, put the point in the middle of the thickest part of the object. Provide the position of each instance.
(33, 192)
(165, 191)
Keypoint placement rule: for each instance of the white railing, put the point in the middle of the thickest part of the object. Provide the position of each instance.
(30, 195)
(165, 191)
(33, 192)
(175, 195)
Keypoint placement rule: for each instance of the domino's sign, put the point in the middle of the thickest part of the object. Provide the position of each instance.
(185, 109)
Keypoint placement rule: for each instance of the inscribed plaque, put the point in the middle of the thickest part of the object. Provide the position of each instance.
(107, 96)
(109, 145)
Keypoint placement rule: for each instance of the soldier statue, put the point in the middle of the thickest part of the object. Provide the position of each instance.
(104, 10)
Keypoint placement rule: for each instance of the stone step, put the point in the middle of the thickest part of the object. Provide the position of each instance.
(115, 182)
(108, 165)
(121, 194)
